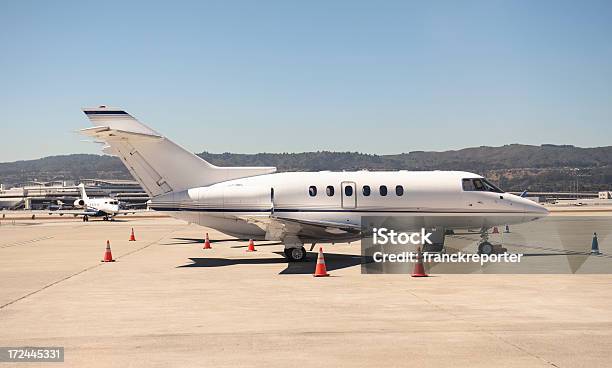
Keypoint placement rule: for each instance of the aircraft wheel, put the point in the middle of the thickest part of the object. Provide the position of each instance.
(485, 248)
(85, 218)
(295, 254)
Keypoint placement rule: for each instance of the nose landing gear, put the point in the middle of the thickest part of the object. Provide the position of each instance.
(485, 247)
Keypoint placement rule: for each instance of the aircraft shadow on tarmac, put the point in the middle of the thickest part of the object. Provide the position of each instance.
(201, 240)
(333, 261)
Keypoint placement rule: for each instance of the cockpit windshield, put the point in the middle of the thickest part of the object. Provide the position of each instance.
(479, 184)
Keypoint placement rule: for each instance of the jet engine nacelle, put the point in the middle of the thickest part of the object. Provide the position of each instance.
(79, 203)
(228, 197)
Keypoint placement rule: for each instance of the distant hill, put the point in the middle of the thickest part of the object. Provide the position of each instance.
(65, 167)
(514, 167)
(471, 159)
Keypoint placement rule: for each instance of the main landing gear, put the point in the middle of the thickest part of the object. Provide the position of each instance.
(294, 249)
(485, 247)
(85, 218)
(295, 254)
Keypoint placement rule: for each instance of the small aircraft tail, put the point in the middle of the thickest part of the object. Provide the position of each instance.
(82, 192)
(158, 164)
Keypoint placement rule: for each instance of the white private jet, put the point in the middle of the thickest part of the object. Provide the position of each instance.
(299, 207)
(105, 207)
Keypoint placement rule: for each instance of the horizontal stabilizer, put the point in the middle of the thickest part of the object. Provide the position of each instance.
(104, 133)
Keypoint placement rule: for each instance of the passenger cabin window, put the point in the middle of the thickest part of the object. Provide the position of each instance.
(312, 190)
(399, 190)
(383, 190)
(330, 190)
(479, 185)
(366, 190)
(348, 190)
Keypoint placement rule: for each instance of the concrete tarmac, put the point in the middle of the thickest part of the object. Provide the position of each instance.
(167, 302)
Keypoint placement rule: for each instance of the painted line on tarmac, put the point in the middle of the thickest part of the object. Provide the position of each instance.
(30, 241)
(84, 270)
(25, 242)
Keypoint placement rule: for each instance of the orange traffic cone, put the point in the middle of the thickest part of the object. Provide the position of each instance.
(132, 237)
(206, 242)
(251, 247)
(108, 256)
(495, 230)
(321, 270)
(419, 268)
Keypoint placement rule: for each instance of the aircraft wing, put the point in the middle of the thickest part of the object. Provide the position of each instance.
(74, 212)
(283, 227)
(134, 211)
(93, 213)
(133, 204)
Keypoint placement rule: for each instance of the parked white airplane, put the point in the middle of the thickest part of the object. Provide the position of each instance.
(105, 207)
(299, 207)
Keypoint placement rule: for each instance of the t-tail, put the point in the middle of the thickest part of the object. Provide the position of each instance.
(82, 192)
(158, 164)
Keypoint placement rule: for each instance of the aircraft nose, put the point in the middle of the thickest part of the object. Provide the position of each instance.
(536, 209)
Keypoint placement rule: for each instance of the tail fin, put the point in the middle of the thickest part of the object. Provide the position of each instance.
(157, 163)
(82, 192)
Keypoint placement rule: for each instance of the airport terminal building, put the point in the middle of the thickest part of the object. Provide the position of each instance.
(40, 195)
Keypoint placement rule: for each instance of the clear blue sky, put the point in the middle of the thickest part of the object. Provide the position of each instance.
(254, 76)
